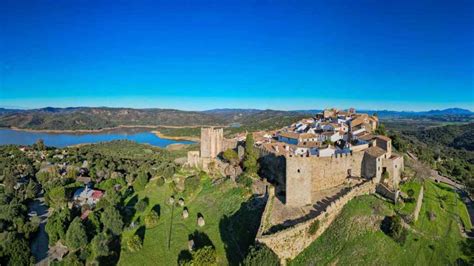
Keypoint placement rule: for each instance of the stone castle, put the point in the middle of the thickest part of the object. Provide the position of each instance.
(305, 176)
(316, 166)
(212, 145)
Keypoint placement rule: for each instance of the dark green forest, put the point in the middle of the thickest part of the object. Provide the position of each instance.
(448, 149)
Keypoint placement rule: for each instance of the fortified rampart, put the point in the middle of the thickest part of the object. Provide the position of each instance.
(289, 242)
(306, 175)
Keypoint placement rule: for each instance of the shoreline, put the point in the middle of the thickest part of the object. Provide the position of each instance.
(186, 138)
(153, 129)
(102, 129)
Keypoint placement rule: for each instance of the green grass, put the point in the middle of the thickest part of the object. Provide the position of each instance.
(355, 237)
(231, 224)
(447, 196)
(407, 208)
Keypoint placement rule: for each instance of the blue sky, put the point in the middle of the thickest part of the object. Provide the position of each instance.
(195, 55)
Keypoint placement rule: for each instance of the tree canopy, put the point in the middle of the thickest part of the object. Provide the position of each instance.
(112, 220)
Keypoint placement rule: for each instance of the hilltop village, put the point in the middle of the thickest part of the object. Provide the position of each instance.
(293, 195)
(314, 167)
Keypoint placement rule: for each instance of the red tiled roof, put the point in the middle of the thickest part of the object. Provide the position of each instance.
(97, 194)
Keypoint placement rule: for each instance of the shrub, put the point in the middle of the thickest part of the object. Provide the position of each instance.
(112, 220)
(231, 156)
(141, 205)
(261, 255)
(56, 197)
(100, 245)
(313, 228)
(204, 256)
(152, 219)
(251, 155)
(57, 225)
(140, 182)
(134, 244)
(245, 181)
(396, 230)
(192, 183)
(160, 181)
(76, 236)
(411, 193)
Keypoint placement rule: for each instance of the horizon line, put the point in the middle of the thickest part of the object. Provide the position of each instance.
(227, 108)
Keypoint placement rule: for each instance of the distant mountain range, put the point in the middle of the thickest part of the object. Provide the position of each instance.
(73, 118)
(400, 114)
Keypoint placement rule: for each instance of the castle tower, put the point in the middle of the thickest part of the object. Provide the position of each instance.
(211, 142)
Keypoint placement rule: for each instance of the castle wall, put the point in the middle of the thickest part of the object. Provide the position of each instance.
(305, 175)
(288, 243)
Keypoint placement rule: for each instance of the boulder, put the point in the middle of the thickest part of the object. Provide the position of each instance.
(200, 221)
(185, 213)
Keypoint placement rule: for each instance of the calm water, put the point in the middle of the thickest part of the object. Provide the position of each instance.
(9, 136)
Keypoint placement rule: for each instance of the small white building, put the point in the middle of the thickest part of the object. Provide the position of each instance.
(87, 196)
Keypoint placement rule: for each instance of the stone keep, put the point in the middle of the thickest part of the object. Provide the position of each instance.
(211, 142)
(306, 175)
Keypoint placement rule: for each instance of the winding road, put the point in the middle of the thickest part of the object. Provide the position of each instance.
(39, 245)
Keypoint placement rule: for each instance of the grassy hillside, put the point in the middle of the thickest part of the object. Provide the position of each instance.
(355, 237)
(231, 217)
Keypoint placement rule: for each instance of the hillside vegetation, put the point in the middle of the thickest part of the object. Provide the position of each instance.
(84, 118)
(356, 238)
(447, 149)
(98, 118)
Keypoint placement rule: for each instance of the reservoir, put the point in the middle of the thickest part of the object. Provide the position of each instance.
(10, 136)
